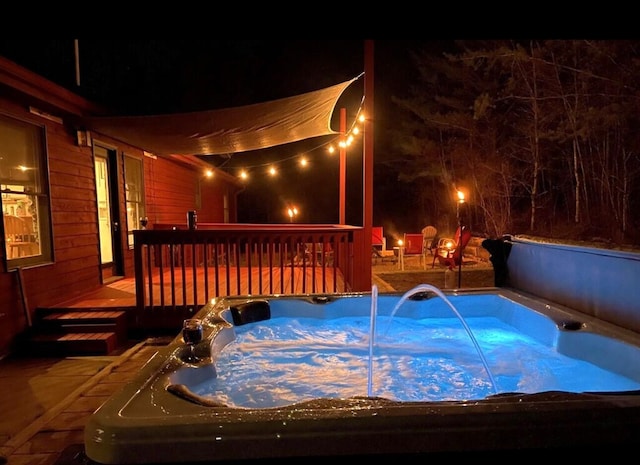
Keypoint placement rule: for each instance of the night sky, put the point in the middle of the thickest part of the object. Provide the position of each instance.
(141, 77)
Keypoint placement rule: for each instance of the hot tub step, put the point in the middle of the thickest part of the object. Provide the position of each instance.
(93, 343)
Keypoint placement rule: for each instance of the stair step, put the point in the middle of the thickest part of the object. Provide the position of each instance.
(77, 331)
(94, 343)
(84, 315)
(86, 322)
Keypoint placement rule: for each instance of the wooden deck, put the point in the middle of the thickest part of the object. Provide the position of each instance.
(229, 282)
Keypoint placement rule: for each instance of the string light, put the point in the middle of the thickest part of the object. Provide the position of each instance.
(342, 140)
(354, 129)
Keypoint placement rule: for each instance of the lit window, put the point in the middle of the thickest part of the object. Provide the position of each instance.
(134, 191)
(25, 194)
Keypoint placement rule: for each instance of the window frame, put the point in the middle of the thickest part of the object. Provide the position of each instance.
(41, 193)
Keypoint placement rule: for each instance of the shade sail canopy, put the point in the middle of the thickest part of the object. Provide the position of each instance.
(231, 130)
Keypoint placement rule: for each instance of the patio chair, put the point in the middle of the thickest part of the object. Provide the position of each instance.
(429, 239)
(379, 246)
(323, 253)
(450, 253)
(412, 246)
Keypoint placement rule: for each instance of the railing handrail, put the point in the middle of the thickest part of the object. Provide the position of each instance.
(240, 227)
(168, 255)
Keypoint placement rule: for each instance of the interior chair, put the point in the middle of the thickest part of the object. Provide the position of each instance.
(451, 252)
(19, 236)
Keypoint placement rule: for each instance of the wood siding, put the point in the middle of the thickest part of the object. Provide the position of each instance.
(170, 191)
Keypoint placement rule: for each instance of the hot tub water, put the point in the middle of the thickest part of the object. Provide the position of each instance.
(418, 358)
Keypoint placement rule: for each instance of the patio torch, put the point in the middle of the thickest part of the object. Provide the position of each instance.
(460, 201)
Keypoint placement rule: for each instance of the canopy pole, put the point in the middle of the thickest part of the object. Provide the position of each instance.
(343, 165)
(76, 51)
(363, 263)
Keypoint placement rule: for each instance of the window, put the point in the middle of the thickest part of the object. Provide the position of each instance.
(134, 192)
(24, 185)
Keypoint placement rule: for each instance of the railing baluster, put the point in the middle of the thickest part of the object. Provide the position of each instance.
(150, 248)
(259, 248)
(183, 272)
(172, 267)
(238, 260)
(247, 253)
(295, 259)
(205, 265)
(283, 260)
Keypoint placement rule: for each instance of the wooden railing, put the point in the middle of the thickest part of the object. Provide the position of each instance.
(178, 268)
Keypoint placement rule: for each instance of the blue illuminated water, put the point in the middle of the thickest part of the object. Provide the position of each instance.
(283, 361)
(439, 293)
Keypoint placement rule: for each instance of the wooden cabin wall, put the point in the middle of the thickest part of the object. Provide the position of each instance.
(171, 190)
(170, 186)
(212, 192)
(75, 236)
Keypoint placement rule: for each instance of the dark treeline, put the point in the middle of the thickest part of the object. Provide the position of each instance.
(541, 135)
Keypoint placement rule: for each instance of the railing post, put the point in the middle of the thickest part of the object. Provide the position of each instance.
(139, 274)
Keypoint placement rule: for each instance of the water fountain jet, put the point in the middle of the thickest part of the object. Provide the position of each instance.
(422, 292)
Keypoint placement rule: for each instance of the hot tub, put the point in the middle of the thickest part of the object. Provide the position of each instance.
(165, 415)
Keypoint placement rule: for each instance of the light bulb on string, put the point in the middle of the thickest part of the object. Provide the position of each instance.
(342, 140)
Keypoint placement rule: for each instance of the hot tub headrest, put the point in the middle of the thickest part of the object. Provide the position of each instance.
(250, 311)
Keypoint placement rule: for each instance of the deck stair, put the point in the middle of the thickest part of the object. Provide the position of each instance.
(74, 331)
